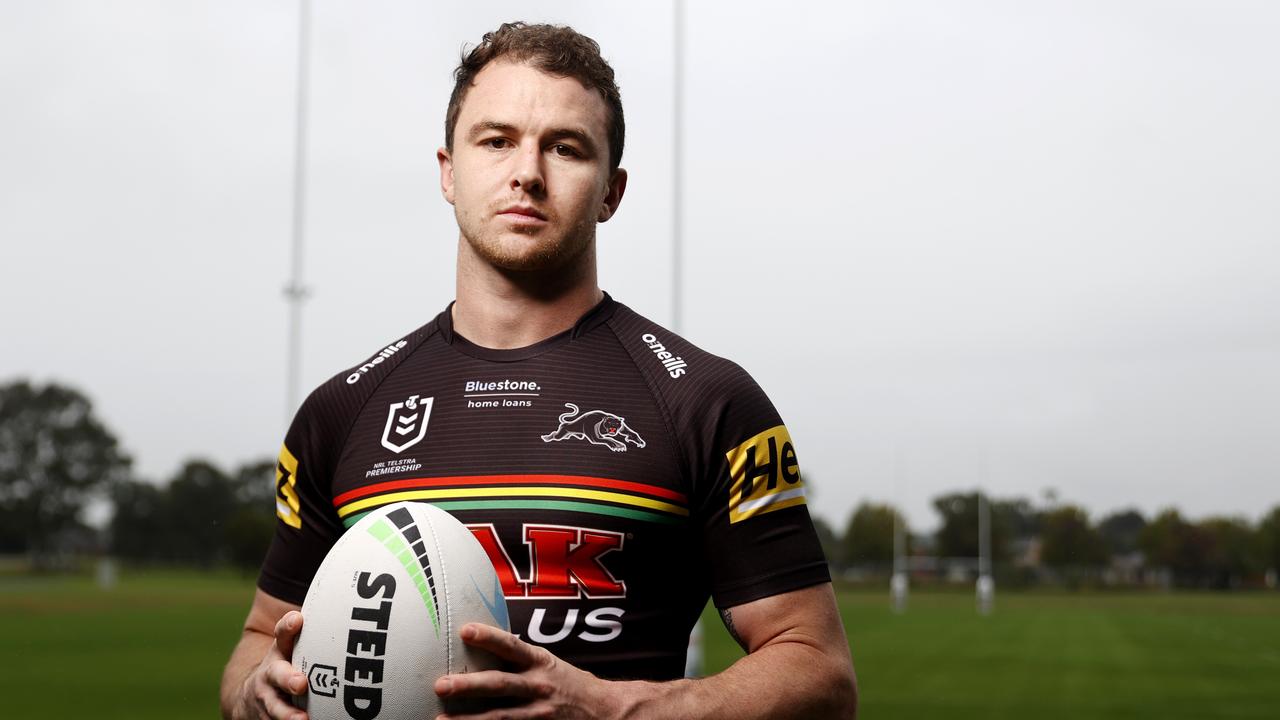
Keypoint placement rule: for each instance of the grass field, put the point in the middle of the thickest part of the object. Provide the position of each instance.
(1061, 656)
(154, 647)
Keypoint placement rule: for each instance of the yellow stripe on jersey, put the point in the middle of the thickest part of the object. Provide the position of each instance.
(517, 491)
(288, 508)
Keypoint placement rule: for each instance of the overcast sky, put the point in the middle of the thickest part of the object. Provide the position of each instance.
(1024, 245)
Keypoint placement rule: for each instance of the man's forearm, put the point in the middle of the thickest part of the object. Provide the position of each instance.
(794, 679)
(248, 654)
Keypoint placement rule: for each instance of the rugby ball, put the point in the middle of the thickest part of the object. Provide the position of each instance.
(382, 615)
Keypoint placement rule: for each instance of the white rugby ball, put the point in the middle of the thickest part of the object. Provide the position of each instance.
(382, 615)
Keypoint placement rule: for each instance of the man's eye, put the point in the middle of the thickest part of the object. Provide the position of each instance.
(496, 143)
(563, 150)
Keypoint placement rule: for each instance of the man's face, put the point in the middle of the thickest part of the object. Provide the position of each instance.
(528, 175)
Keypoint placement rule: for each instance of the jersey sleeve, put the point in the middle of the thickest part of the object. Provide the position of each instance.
(739, 464)
(306, 524)
(749, 498)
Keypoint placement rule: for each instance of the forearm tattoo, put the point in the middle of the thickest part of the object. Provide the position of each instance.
(726, 615)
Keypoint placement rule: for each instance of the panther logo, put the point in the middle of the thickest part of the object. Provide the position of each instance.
(596, 427)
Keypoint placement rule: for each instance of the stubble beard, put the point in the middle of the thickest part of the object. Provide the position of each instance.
(541, 253)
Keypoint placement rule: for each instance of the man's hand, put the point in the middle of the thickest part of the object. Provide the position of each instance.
(797, 629)
(544, 685)
(266, 689)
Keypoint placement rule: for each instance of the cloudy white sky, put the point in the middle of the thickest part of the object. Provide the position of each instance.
(1026, 245)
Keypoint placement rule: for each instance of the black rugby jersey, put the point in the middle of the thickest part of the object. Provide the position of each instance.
(616, 475)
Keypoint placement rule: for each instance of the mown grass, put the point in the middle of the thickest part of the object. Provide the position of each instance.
(154, 646)
(1045, 656)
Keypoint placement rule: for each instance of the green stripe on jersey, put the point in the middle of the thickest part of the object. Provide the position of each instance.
(539, 505)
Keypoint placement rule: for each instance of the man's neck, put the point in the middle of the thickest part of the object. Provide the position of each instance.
(502, 310)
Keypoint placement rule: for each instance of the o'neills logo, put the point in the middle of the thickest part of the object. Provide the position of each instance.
(675, 365)
(376, 360)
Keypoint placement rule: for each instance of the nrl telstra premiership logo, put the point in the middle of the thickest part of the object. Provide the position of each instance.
(406, 423)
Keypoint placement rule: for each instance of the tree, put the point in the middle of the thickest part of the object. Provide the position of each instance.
(201, 501)
(202, 516)
(1160, 539)
(138, 526)
(1068, 540)
(868, 537)
(1269, 539)
(249, 529)
(827, 538)
(1169, 541)
(1120, 531)
(1019, 516)
(1234, 551)
(254, 485)
(958, 535)
(54, 456)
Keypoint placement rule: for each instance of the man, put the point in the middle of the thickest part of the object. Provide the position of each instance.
(616, 474)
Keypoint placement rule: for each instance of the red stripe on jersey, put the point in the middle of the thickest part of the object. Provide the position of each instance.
(466, 480)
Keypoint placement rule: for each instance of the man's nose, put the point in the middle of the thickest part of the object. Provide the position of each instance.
(527, 173)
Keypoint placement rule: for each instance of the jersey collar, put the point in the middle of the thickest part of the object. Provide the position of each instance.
(590, 320)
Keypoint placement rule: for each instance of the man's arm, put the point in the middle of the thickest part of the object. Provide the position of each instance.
(259, 677)
(797, 666)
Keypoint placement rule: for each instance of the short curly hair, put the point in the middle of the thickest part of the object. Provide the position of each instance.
(554, 49)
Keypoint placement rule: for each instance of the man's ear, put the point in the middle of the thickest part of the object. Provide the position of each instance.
(613, 195)
(446, 173)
